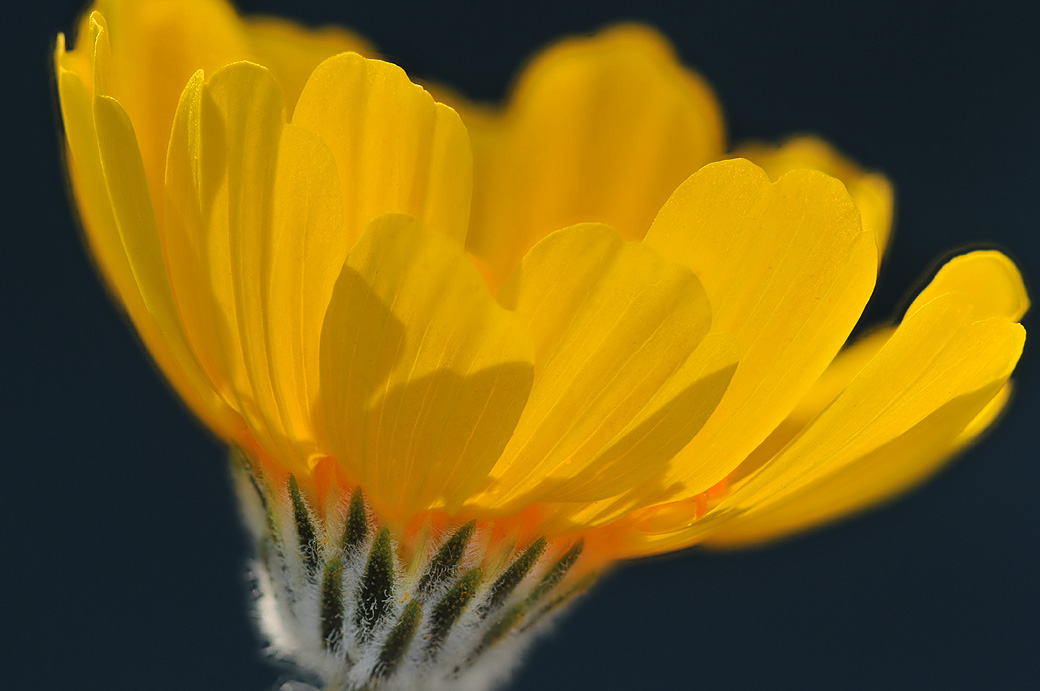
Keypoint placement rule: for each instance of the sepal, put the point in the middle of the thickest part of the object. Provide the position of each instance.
(340, 598)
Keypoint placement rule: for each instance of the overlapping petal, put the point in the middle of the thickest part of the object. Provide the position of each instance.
(989, 276)
(156, 48)
(396, 149)
(616, 390)
(996, 292)
(927, 391)
(423, 374)
(120, 222)
(788, 270)
(877, 476)
(871, 192)
(160, 44)
(229, 282)
(292, 52)
(598, 129)
(253, 205)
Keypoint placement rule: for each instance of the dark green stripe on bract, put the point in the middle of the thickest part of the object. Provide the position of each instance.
(304, 527)
(356, 529)
(241, 463)
(503, 625)
(512, 576)
(556, 573)
(444, 564)
(450, 607)
(239, 459)
(332, 602)
(377, 586)
(399, 638)
(555, 603)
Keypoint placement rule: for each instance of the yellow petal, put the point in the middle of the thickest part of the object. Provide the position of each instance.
(253, 202)
(616, 393)
(71, 55)
(91, 192)
(598, 129)
(132, 210)
(939, 370)
(871, 192)
(304, 255)
(994, 286)
(880, 475)
(849, 362)
(292, 51)
(423, 374)
(194, 175)
(246, 138)
(124, 176)
(396, 149)
(704, 375)
(989, 277)
(985, 419)
(156, 47)
(106, 243)
(787, 269)
(996, 289)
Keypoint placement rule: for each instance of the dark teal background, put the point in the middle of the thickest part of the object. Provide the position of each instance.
(122, 556)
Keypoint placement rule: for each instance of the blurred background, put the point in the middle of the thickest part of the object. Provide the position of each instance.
(122, 561)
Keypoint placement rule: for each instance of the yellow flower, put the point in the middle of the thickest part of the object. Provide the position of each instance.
(569, 323)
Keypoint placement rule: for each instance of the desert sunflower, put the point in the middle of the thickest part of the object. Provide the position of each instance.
(467, 357)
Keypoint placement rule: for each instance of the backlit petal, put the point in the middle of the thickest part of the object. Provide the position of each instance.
(423, 374)
(871, 192)
(788, 270)
(988, 276)
(88, 182)
(705, 376)
(996, 289)
(292, 51)
(831, 383)
(880, 475)
(256, 204)
(994, 286)
(614, 326)
(156, 47)
(132, 210)
(250, 104)
(938, 371)
(599, 129)
(195, 172)
(105, 236)
(396, 149)
(305, 253)
(239, 131)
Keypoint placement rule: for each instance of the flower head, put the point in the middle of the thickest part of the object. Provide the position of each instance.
(569, 318)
